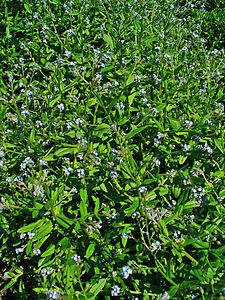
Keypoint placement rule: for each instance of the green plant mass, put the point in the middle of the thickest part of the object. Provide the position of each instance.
(112, 125)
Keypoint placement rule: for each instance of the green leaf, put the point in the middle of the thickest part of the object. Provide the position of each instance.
(11, 283)
(61, 222)
(219, 251)
(45, 261)
(64, 243)
(32, 134)
(200, 244)
(7, 21)
(188, 283)
(65, 151)
(31, 226)
(182, 133)
(43, 61)
(53, 102)
(182, 159)
(145, 295)
(222, 193)
(90, 250)
(123, 121)
(151, 195)
(97, 204)
(183, 197)
(106, 69)
(102, 127)
(128, 211)
(220, 145)
(174, 124)
(212, 225)
(163, 190)
(133, 165)
(190, 204)
(83, 194)
(177, 70)
(29, 246)
(40, 242)
(107, 38)
(64, 220)
(98, 287)
(198, 274)
(131, 98)
(43, 231)
(124, 240)
(49, 251)
(176, 191)
(50, 157)
(27, 8)
(133, 132)
(103, 187)
(129, 81)
(164, 229)
(137, 25)
(161, 107)
(173, 290)
(83, 204)
(40, 290)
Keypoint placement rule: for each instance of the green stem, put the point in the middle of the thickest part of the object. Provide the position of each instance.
(81, 285)
(146, 219)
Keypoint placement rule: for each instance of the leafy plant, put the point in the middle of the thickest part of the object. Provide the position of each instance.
(112, 150)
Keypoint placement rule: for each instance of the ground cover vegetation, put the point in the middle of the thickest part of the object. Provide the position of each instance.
(112, 149)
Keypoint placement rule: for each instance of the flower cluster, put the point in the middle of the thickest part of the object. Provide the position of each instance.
(126, 271)
(115, 290)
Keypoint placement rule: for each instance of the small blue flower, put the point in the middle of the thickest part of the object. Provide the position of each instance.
(135, 215)
(113, 174)
(187, 147)
(126, 271)
(142, 189)
(115, 290)
(125, 235)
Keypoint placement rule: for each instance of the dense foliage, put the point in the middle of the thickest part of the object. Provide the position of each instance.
(112, 149)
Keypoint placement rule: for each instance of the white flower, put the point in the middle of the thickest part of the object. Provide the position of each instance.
(156, 161)
(76, 258)
(61, 107)
(43, 162)
(22, 235)
(155, 246)
(19, 250)
(188, 123)
(30, 235)
(74, 190)
(79, 122)
(67, 171)
(38, 190)
(113, 174)
(37, 251)
(80, 173)
(125, 235)
(69, 125)
(167, 56)
(126, 271)
(142, 189)
(172, 173)
(115, 290)
(186, 147)
(114, 273)
(192, 217)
